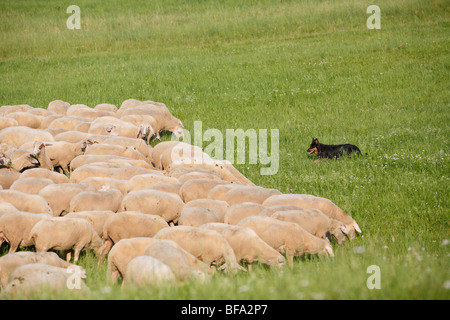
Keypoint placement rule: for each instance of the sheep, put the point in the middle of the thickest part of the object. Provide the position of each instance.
(61, 153)
(180, 151)
(106, 198)
(167, 187)
(129, 103)
(196, 216)
(4, 110)
(315, 222)
(95, 113)
(11, 261)
(118, 150)
(59, 196)
(165, 204)
(32, 268)
(241, 194)
(26, 202)
(96, 218)
(217, 192)
(106, 107)
(97, 182)
(19, 162)
(40, 153)
(45, 174)
(175, 259)
(87, 171)
(130, 224)
(144, 181)
(269, 211)
(286, 237)
(7, 178)
(67, 123)
(209, 245)
(306, 201)
(145, 270)
(240, 211)
(139, 144)
(6, 206)
(41, 112)
(75, 136)
(247, 245)
(219, 207)
(159, 149)
(198, 188)
(93, 159)
(127, 249)
(31, 185)
(15, 228)
(58, 106)
(195, 175)
(26, 119)
(6, 122)
(76, 109)
(47, 120)
(60, 233)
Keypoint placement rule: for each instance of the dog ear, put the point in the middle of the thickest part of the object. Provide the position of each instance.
(316, 141)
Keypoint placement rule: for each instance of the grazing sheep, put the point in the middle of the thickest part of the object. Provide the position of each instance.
(25, 202)
(47, 120)
(144, 181)
(96, 218)
(117, 150)
(26, 119)
(97, 183)
(165, 204)
(6, 122)
(106, 198)
(198, 175)
(217, 192)
(167, 187)
(196, 216)
(145, 270)
(6, 206)
(45, 174)
(106, 107)
(180, 171)
(59, 196)
(15, 228)
(307, 201)
(124, 173)
(240, 211)
(76, 109)
(159, 149)
(127, 249)
(198, 188)
(62, 233)
(31, 185)
(58, 106)
(209, 245)
(11, 261)
(315, 222)
(176, 259)
(7, 178)
(219, 207)
(286, 237)
(4, 110)
(75, 136)
(269, 211)
(241, 194)
(39, 152)
(67, 123)
(140, 145)
(247, 245)
(32, 268)
(178, 152)
(130, 224)
(94, 159)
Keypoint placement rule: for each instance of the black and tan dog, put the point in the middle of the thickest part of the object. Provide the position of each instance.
(331, 151)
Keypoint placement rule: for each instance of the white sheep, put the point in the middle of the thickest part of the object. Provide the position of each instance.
(145, 270)
(307, 201)
(96, 218)
(198, 188)
(106, 198)
(241, 194)
(219, 206)
(45, 174)
(145, 149)
(247, 245)
(62, 233)
(15, 228)
(165, 204)
(58, 196)
(286, 237)
(167, 187)
(240, 211)
(4, 110)
(217, 192)
(124, 173)
(6, 122)
(31, 185)
(32, 268)
(26, 119)
(7, 178)
(130, 224)
(315, 222)
(58, 106)
(97, 182)
(94, 159)
(144, 181)
(11, 261)
(209, 245)
(25, 202)
(196, 216)
(118, 150)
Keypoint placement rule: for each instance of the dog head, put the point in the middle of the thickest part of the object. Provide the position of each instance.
(313, 148)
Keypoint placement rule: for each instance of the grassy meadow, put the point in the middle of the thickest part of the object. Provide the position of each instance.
(308, 68)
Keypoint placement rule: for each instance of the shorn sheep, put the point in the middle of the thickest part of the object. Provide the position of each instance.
(76, 178)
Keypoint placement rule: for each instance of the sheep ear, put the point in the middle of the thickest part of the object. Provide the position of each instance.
(355, 225)
(33, 159)
(141, 127)
(343, 229)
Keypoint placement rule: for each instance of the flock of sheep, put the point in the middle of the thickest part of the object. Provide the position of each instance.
(76, 178)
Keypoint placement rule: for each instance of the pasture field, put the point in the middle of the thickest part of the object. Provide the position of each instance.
(308, 68)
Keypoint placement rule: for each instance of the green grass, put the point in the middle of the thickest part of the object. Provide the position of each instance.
(307, 68)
